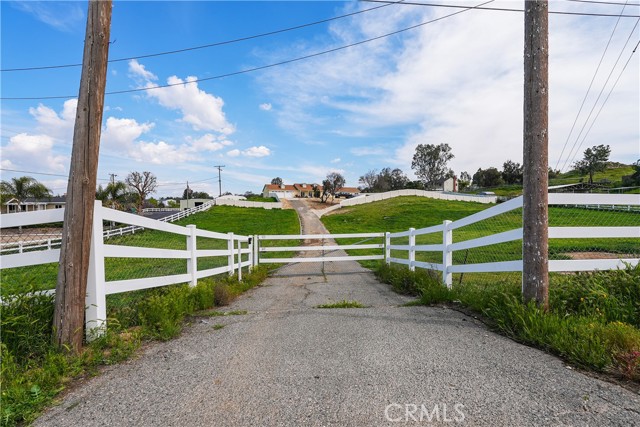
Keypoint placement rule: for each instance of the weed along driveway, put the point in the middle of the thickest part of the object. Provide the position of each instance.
(288, 362)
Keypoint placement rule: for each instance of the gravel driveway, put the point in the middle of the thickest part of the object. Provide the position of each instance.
(288, 363)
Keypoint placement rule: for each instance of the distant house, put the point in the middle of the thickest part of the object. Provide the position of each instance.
(30, 204)
(279, 191)
(302, 190)
(447, 184)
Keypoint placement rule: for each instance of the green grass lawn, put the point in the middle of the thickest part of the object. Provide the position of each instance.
(224, 219)
(400, 213)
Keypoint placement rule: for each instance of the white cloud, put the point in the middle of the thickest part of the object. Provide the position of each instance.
(57, 126)
(265, 107)
(160, 153)
(260, 151)
(336, 160)
(137, 70)
(32, 152)
(121, 134)
(202, 110)
(368, 151)
(452, 82)
(64, 16)
(208, 142)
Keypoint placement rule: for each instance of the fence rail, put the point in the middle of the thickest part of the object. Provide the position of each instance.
(237, 255)
(330, 247)
(627, 203)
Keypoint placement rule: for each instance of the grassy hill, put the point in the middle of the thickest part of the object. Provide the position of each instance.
(611, 177)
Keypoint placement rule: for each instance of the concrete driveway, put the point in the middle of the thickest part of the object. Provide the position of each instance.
(288, 363)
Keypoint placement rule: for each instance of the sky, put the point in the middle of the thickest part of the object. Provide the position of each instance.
(457, 80)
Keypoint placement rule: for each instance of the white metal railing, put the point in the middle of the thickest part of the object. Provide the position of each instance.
(329, 246)
(447, 246)
(238, 253)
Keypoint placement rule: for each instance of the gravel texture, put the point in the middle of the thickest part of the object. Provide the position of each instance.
(288, 363)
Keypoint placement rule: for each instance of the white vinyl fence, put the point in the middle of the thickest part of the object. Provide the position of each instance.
(447, 245)
(236, 253)
(327, 245)
(31, 242)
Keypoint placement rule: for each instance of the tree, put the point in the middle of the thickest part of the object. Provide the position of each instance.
(23, 188)
(277, 181)
(490, 177)
(595, 160)
(368, 181)
(465, 181)
(430, 163)
(512, 172)
(331, 186)
(633, 179)
(143, 184)
(398, 179)
(114, 195)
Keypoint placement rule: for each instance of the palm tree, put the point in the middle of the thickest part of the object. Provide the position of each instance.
(113, 195)
(23, 188)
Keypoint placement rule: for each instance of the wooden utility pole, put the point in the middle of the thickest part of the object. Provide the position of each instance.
(71, 288)
(220, 178)
(535, 218)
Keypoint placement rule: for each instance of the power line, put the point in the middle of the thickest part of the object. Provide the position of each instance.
(43, 173)
(505, 9)
(604, 2)
(589, 89)
(263, 67)
(597, 99)
(205, 46)
(606, 99)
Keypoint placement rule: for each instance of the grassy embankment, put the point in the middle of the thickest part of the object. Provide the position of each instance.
(611, 177)
(594, 318)
(33, 372)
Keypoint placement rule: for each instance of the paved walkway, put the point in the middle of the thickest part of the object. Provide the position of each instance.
(287, 363)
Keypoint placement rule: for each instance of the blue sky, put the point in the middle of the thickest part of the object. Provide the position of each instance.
(456, 81)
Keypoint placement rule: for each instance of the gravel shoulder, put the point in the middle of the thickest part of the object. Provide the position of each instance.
(288, 363)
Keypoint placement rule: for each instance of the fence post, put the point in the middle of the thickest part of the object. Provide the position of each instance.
(387, 249)
(239, 260)
(250, 246)
(192, 262)
(256, 248)
(412, 249)
(447, 255)
(96, 299)
(230, 263)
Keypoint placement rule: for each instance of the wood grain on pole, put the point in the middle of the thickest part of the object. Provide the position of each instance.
(78, 217)
(535, 270)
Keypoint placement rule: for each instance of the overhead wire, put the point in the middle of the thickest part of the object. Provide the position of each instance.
(575, 144)
(263, 67)
(208, 45)
(586, 95)
(606, 99)
(504, 9)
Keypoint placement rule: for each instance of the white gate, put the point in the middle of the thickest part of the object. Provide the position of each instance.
(325, 248)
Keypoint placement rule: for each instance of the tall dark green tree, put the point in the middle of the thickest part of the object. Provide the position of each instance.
(595, 160)
(430, 163)
(512, 172)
